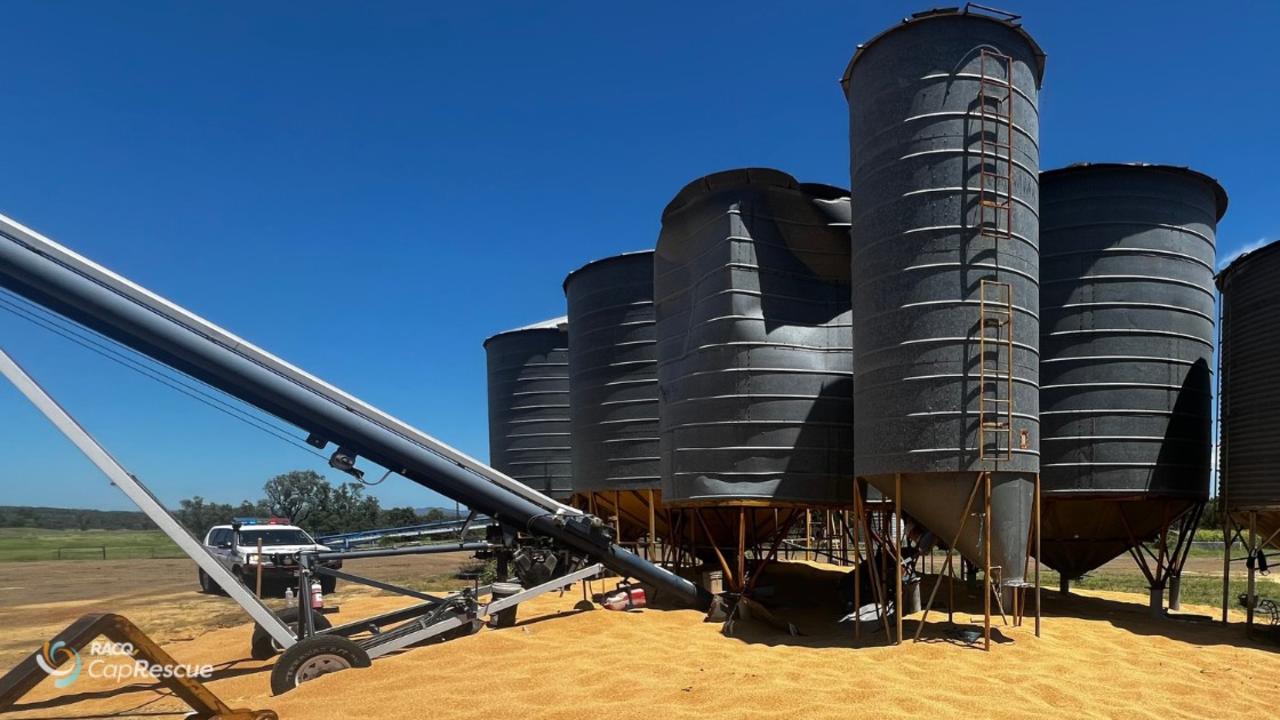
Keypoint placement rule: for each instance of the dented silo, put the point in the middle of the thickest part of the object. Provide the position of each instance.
(613, 391)
(1126, 346)
(943, 128)
(529, 406)
(751, 285)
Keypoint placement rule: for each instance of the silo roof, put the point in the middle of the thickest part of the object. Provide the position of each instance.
(600, 261)
(1010, 21)
(714, 182)
(1238, 261)
(557, 323)
(1218, 192)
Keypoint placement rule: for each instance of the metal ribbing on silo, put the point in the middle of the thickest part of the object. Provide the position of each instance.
(1250, 401)
(1127, 316)
(529, 432)
(613, 374)
(752, 301)
(923, 244)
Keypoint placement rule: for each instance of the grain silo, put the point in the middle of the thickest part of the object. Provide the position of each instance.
(1249, 407)
(529, 406)
(751, 286)
(943, 132)
(1126, 342)
(613, 393)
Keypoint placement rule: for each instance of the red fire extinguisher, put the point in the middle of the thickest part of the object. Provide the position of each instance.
(626, 597)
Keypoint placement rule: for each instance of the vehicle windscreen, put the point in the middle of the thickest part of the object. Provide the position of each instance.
(274, 537)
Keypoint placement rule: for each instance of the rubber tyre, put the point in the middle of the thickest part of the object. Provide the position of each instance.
(315, 656)
(262, 646)
(207, 586)
(328, 584)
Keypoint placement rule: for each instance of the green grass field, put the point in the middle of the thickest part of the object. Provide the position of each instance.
(27, 545)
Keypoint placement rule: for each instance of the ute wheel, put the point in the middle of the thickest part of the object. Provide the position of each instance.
(328, 584)
(263, 646)
(317, 655)
(208, 586)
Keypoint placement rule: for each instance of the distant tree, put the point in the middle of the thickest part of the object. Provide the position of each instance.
(1212, 517)
(198, 515)
(26, 518)
(248, 508)
(399, 517)
(296, 494)
(435, 515)
(82, 521)
(344, 509)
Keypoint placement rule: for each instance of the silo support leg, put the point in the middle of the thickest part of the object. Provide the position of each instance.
(864, 521)
(947, 562)
(1228, 540)
(779, 536)
(897, 554)
(1251, 598)
(1138, 551)
(986, 563)
(1037, 554)
(729, 578)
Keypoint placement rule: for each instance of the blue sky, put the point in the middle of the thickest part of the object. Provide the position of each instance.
(369, 190)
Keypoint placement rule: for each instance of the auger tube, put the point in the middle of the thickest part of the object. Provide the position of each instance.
(52, 276)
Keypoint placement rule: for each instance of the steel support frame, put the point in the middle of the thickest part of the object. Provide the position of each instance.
(864, 525)
(1166, 562)
(434, 616)
(1245, 530)
(737, 576)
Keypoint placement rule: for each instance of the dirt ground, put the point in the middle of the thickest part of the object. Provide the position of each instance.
(1101, 655)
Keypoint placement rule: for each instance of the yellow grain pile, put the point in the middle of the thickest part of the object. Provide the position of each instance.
(1101, 656)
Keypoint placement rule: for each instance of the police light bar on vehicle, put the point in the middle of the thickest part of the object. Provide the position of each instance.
(259, 521)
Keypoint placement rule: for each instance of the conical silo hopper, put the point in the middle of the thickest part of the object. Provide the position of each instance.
(1126, 347)
(943, 132)
(529, 435)
(613, 393)
(754, 363)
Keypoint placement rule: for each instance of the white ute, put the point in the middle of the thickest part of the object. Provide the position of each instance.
(236, 547)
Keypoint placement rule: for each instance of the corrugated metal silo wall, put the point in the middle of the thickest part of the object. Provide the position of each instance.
(1250, 402)
(1127, 315)
(529, 408)
(613, 385)
(918, 261)
(752, 298)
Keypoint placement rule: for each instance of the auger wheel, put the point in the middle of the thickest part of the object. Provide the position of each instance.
(312, 657)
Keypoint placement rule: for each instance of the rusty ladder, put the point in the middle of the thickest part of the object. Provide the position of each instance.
(995, 374)
(995, 223)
